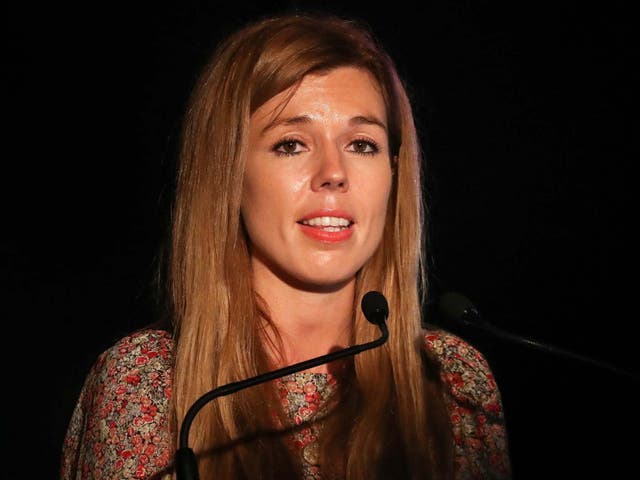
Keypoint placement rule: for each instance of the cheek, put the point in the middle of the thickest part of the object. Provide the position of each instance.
(258, 188)
(382, 193)
(250, 203)
(272, 187)
(267, 201)
(378, 191)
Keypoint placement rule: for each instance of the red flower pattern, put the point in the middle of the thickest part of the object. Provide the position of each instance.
(120, 426)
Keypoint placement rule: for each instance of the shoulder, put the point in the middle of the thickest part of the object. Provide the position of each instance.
(142, 350)
(475, 407)
(140, 362)
(121, 422)
(463, 369)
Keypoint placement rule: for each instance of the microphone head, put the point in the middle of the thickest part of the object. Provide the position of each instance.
(375, 307)
(456, 306)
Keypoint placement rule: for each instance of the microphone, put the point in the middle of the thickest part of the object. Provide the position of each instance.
(376, 310)
(459, 310)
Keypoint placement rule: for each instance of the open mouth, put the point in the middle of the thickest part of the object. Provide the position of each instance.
(328, 224)
(327, 228)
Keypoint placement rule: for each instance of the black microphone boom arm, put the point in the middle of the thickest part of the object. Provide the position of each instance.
(375, 309)
(265, 377)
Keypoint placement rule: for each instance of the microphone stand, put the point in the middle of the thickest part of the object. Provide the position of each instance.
(545, 347)
(458, 309)
(185, 459)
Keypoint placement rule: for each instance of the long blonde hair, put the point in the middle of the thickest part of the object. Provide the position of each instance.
(217, 319)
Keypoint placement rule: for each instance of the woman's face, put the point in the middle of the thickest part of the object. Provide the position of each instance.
(317, 179)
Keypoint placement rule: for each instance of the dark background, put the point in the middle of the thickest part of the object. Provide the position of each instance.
(524, 109)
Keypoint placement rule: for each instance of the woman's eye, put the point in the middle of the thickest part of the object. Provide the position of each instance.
(364, 147)
(288, 147)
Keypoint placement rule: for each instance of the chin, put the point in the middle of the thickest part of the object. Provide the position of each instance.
(324, 286)
(306, 272)
(317, 281)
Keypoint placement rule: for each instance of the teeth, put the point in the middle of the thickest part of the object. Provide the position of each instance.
(327, 222)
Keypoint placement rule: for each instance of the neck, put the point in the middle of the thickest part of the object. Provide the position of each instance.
(304, 323)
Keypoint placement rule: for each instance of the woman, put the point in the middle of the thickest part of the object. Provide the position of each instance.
(298, 191)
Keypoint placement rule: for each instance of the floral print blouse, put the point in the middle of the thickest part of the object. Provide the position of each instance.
(119, 428)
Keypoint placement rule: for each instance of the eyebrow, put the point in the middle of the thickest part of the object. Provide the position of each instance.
(362, 120)
(305, 119)
(300, 119)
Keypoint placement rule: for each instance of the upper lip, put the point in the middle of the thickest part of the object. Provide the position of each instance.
(327, 213)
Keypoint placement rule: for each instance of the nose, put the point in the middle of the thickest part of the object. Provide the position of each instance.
(330, 172)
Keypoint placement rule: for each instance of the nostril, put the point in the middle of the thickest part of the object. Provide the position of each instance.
(333, 181)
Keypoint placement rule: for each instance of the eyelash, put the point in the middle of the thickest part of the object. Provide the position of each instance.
(370, 143)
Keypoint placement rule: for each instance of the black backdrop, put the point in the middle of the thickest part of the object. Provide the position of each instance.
(523, 112)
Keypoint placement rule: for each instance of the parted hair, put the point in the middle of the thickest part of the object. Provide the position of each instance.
(388, 419)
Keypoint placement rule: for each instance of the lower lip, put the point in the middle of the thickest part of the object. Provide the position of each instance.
(327, 237)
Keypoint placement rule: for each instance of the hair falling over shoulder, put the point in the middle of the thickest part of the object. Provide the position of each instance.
(389, 418)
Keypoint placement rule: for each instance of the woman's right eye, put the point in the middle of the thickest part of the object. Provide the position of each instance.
(288, 147)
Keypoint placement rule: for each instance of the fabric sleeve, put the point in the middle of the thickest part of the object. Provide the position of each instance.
(475, 408)
(120, 427)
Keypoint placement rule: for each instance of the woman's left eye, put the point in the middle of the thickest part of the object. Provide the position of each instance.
(364, 147)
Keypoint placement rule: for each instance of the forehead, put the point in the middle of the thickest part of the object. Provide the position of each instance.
(343, 91)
